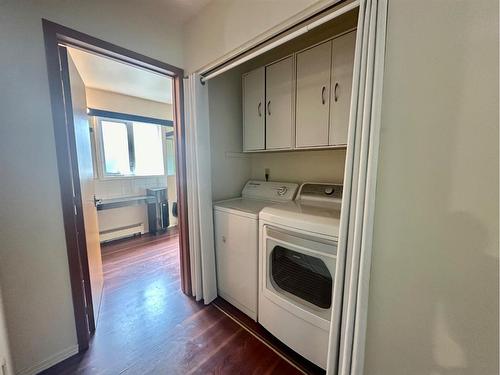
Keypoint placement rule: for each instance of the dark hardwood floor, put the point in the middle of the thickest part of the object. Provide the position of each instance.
(148, 326)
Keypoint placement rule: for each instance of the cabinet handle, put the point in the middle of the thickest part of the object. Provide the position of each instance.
(323, 89)
(259, 109)
(269, 108)
(335, 91)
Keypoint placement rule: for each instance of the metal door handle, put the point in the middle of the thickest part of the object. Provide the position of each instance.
(97, 201)
(335, 91)
(269, 108)
(259, 107)
(323, 89)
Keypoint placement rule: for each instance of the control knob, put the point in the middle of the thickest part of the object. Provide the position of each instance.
(329, 190)
(282, 190)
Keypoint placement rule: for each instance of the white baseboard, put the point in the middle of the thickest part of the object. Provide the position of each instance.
(121, 232)
(49, 362)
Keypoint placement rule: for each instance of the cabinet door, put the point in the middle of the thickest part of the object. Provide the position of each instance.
(236, 248)
(253, 110)
(313, 96)
(279, 104)
(342, 68)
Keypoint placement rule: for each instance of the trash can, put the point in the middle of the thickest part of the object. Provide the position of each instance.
(158, 216)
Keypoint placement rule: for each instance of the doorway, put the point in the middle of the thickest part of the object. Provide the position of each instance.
(118, 122)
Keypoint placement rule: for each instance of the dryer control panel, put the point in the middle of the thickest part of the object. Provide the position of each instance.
(320, 192)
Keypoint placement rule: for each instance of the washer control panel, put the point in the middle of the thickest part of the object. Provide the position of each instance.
(270, 190)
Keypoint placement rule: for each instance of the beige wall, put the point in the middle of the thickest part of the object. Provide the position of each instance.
(224, 25)
(300, 166)
(433, 305)
(33, 262)
(230, 168)
(111, 101)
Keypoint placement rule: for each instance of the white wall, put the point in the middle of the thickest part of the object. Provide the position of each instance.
(33, 262)
(111, 101)
(433, 305)
(224, 25)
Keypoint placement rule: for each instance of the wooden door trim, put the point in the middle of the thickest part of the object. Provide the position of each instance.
(54, 35)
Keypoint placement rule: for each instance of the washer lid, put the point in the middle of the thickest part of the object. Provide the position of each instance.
(242, 206)
(312, 217)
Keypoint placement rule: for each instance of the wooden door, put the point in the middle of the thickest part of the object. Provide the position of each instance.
(342, 68)
(279, 105)
(86, 189)
(253, 110)
(313, 96)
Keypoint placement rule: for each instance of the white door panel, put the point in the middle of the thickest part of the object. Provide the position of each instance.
(313, 96)
(279, 104)
(342, 68)
(236, 250)
(86, 175)
(253, 110)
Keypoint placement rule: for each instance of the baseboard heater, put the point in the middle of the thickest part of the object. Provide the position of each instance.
(121, 232)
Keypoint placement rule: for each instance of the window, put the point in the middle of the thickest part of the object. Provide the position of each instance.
(170, 155)
(131, 148)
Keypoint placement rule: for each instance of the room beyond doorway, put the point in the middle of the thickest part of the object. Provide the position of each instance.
(119, 145)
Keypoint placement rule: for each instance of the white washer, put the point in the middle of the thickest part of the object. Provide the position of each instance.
(297, 259)
(236, 241)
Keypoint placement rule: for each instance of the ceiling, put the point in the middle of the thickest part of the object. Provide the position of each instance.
(106, 74)
(184, 9)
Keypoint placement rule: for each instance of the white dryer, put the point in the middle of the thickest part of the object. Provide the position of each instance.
(236, 240)
(297, 260)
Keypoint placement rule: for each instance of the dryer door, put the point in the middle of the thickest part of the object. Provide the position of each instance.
(305, 276)
(299, 272)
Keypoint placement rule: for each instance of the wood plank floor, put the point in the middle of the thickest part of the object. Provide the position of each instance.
(148, 326)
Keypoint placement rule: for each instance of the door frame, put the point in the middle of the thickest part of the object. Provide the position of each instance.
(54, 36)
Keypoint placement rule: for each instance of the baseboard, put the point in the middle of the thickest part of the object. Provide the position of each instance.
(49, 362)
(121, 232)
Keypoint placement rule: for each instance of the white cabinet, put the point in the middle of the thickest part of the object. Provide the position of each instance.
(236, 246)
(302, 101)
(279, 104)
(253, 110)
(313, 96)
(340, 102)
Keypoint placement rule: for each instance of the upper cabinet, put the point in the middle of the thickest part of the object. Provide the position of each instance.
(253, 110)
(340, 102)
(307, 99)
(279, 103)
(313, 96)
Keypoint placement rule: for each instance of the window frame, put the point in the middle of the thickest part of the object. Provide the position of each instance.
(100, 158)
